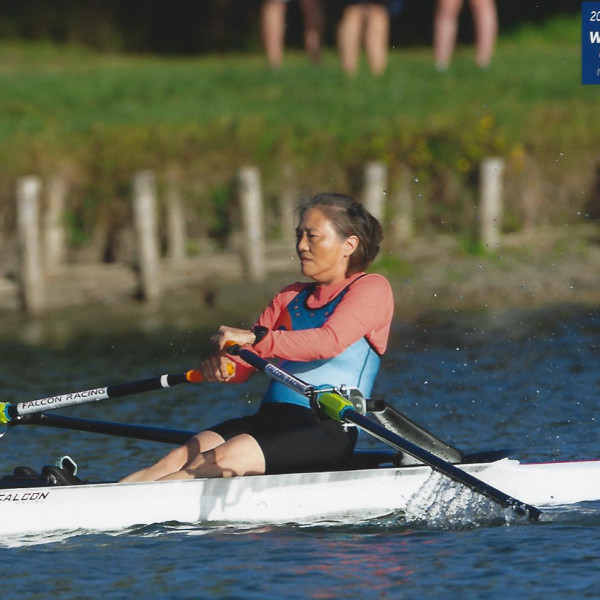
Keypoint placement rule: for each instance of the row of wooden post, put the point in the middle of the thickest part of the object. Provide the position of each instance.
(42, 237)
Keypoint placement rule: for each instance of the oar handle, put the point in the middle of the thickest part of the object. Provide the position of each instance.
(270, 369)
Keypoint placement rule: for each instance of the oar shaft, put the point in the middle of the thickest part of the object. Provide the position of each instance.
(338, 407)
(140, 432)
(270, 369)
(10, 412)
(440, 465)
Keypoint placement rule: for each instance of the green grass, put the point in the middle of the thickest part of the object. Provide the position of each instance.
(100, 117)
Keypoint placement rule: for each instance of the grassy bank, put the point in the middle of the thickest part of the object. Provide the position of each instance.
(98, 118)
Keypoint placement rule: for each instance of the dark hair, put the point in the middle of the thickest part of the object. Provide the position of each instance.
(349, 217)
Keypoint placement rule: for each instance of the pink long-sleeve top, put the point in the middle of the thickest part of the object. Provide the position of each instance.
(366, 310)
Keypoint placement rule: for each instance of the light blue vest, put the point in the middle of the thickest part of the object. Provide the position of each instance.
(356, 366)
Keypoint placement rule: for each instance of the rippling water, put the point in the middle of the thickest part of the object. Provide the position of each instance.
(520, 379)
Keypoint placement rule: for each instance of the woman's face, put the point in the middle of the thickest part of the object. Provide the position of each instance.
(323, 255)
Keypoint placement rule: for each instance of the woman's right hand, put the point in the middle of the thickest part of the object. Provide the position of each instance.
(218, 367)
(227, 334)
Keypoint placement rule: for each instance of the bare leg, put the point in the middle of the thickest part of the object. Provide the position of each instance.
(349, 37)
(486, 29)
(313, 28)
(177, 459)
(273, 31)
(238, 456)
(445, 27)
(377, 36)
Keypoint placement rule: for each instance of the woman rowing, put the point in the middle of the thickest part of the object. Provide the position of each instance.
(332, 331)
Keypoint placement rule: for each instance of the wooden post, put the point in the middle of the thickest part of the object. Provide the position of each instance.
(251, 204)
(375, 189)
(287, 201)
(490, 203)
(530, 195)
(54, 224)
(175, 222)
(31, 277)
(402, 220)
(146, 230)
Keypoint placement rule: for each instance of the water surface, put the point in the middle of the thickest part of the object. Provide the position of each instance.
(526, 380)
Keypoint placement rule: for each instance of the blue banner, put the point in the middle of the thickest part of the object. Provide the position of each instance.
(590, 43)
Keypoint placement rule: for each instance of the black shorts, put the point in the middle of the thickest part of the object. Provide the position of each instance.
(293, 438)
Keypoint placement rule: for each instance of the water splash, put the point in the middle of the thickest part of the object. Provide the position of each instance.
(442, 504)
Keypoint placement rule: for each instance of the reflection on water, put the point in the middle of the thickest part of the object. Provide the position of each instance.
(178, 311)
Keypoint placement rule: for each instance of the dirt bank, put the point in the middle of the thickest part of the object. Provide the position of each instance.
(531, 270)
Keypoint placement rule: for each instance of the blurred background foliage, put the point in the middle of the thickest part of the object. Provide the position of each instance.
(201, 26)
(94, 91)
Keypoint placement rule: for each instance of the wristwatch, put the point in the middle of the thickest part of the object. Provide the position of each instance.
(259, 332)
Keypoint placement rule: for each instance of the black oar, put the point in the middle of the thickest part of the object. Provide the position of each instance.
(339, 408)
(139, 432)
(9, 412)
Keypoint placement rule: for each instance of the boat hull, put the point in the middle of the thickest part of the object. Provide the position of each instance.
(292, 498)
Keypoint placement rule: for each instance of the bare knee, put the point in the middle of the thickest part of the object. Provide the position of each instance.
(238, 456)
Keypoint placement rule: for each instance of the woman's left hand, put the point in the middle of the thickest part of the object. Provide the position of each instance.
(218, 368)
(231, 334)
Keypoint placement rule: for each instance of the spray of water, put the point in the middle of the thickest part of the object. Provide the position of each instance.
(442, 504)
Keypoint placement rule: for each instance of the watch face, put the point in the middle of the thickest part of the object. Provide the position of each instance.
(259, 332)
